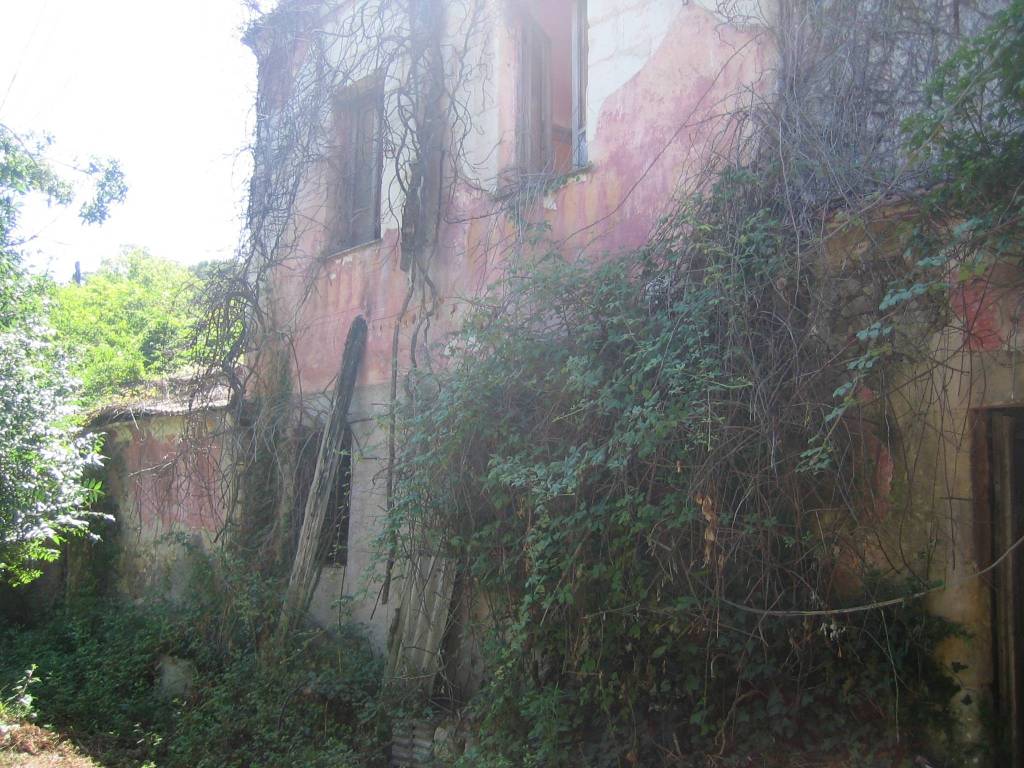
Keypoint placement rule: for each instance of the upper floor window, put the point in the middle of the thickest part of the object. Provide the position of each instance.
(356, 161)
(552, 87)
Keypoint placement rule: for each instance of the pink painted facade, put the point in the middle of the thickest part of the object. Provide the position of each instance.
(645, 136)
(168, 493)
(655, 76)
(170, 484)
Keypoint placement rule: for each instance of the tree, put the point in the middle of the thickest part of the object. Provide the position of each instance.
(44, 492)
(126, 323)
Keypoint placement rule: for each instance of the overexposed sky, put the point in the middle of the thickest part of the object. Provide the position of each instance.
(166, 87)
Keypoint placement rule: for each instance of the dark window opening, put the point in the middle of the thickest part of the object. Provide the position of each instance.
(333, 546)
(356, 160)
(552, 87)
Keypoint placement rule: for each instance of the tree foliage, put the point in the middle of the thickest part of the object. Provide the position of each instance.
(43, 459)
(127, 323)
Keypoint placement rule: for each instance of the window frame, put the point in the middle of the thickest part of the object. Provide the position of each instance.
(349, 170)
(534, 145)
(580, 74)
(535, 107)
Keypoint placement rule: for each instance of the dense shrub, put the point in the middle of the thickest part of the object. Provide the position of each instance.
(43, 461)
(311, 703)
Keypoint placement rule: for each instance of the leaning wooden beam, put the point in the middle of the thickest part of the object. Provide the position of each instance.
(304, 568)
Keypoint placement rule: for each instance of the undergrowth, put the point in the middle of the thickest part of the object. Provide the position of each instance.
(316, 701)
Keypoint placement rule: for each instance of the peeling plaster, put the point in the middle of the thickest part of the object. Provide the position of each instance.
(623, 37)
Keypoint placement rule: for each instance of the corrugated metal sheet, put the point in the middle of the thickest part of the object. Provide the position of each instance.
(412, 744)
(421, 620)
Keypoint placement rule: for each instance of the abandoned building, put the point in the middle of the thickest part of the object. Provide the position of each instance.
(403, 158)
(548, 119)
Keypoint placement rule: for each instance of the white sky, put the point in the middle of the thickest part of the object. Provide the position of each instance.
(166, 87)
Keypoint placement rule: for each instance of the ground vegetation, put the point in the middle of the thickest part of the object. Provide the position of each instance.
(95, 667)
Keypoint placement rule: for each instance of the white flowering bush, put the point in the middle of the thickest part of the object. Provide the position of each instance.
(44, 460)
(44, 494)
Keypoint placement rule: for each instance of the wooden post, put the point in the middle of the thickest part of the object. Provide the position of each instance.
(304, 568)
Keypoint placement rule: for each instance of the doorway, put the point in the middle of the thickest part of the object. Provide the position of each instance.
(1004, 452)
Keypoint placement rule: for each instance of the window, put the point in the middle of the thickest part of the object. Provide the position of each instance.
(356, 160)
(552, 87)
(333, 548)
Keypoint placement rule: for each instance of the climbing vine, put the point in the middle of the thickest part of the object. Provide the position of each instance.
(665, 481)
(618, 464)
(659, 476)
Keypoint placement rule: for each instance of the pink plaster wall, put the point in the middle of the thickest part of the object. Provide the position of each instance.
(649, 135)
(986, 308)
(159, 485)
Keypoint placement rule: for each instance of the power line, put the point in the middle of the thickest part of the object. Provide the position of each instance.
(882, 603)
(24, 52)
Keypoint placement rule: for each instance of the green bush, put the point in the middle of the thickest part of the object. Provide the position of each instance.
(127, 323)
(600, 462)
(43, 491)
(96, 665)
(312, 703)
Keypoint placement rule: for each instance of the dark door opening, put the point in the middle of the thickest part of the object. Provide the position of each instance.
(1005, 443)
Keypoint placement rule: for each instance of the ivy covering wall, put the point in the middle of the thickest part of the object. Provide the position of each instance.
(658, 477)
